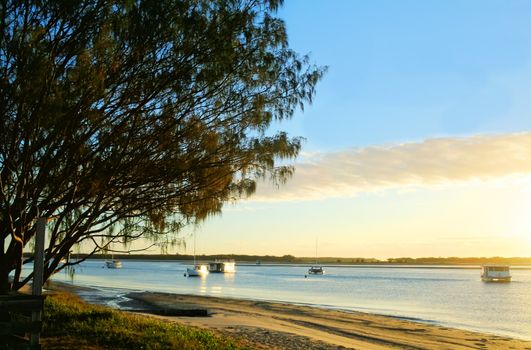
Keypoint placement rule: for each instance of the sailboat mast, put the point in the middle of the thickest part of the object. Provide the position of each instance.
(316, 251)
(194, 248)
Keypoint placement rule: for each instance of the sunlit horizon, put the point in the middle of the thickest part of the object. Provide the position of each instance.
(387, 202)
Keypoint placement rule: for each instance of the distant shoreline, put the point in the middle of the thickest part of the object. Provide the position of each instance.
(428, 262)
(352, 265)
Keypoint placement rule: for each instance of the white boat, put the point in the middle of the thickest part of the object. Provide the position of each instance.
(222, 266)
(316, 270)
(495, 273)
(199, 270)
(113, 264)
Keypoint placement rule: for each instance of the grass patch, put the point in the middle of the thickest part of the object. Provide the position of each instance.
(70, 323)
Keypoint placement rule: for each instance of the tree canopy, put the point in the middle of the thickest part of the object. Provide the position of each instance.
(123, 119)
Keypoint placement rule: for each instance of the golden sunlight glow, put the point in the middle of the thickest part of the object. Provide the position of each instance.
(521, 223)
(202, 270)
(229, 267)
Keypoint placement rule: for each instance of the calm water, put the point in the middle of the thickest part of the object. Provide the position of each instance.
(446, 296)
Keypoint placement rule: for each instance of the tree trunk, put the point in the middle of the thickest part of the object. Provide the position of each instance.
(5, 286)
(6, 266)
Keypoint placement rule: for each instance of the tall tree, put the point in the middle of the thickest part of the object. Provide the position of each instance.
(123, 119)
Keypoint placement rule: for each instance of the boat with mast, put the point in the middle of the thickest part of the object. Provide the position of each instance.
(316, 269)
(198, 270)
(113, 263)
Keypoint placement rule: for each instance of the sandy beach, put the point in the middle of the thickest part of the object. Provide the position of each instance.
(267, 325)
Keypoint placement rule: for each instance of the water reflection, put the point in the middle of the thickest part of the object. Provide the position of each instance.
(229, 277)
(203, 286)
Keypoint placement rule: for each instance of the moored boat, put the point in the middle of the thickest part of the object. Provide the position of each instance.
(199, 270)
(222, 266)
(495, 273)
(316, 270)
(113, 264)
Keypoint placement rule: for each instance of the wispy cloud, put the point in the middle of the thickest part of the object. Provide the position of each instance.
(432, 162)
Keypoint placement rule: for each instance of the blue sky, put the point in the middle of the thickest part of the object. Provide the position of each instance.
(407, 70)
(418, 141)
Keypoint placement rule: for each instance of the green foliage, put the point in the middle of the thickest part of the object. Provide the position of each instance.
(67, 316)
(142, 116)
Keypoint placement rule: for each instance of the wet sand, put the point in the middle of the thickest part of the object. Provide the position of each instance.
(267, 325)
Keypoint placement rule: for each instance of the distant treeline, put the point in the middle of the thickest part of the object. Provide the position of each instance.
(463, 261)
(322, 260)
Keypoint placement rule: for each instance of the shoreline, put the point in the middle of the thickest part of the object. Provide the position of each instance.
(116, 297)
(455, 266)
(277, 325)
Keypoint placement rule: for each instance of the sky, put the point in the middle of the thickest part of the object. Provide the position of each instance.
(418, 142)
